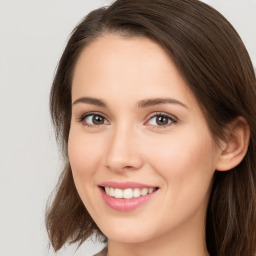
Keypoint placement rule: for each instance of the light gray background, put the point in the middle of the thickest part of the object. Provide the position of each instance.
(33, 34)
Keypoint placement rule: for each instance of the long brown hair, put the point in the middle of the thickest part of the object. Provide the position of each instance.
(213, 60)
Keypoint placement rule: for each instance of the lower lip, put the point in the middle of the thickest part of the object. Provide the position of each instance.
(125, 205)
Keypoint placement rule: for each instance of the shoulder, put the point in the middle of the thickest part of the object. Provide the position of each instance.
(102, 253)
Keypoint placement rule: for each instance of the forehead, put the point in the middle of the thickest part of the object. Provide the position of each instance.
(135, 66)
(124, 51)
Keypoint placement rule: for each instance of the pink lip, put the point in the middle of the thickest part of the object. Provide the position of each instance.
(125, 205)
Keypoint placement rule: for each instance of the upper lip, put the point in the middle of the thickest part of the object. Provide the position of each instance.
(124, 185)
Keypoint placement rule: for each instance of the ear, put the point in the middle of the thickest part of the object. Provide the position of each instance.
(234, 148)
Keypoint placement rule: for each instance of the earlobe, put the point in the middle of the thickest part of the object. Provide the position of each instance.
(235, 146)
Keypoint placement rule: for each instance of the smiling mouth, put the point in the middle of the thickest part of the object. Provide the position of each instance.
(127, 193)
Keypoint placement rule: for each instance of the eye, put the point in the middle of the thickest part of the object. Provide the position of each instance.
(161, 120)
(93, 120)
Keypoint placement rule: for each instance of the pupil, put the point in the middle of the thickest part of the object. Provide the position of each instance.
(98, 120)
(161, 120)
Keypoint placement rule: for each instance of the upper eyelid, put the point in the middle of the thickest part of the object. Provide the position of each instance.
(82, 118)
(174, 120)
(93, 113)
(162, 114)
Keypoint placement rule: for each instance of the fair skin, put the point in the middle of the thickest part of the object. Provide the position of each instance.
(119, 133)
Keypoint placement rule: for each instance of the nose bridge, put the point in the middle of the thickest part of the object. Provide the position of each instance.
(122, 152)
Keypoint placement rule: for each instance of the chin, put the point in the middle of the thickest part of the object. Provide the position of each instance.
(122, 234)
(130, 238)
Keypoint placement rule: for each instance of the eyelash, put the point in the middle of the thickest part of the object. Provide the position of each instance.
(171, 119)
(94, 114)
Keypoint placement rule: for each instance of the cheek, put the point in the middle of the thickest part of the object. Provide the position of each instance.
(186, 164)
(84, 155)
(183, 153)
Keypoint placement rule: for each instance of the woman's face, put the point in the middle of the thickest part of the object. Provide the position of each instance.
(140, 150)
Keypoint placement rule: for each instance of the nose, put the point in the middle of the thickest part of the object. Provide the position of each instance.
(123, 151)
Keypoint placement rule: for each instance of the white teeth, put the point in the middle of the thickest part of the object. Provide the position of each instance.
(118, 193)
(111, 192)
(144, 191)
(107, 190)
(136, 192)
(128, 193)
(150, 190)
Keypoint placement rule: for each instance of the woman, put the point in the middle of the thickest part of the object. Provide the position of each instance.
(154, 105)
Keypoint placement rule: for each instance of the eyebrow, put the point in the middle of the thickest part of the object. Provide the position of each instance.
(141, 104)
(89, 100)
(157, 101)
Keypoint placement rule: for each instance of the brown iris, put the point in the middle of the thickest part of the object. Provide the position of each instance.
(162, 120)
(98, 120)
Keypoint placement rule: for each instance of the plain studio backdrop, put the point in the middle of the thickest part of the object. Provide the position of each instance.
(33, 34)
